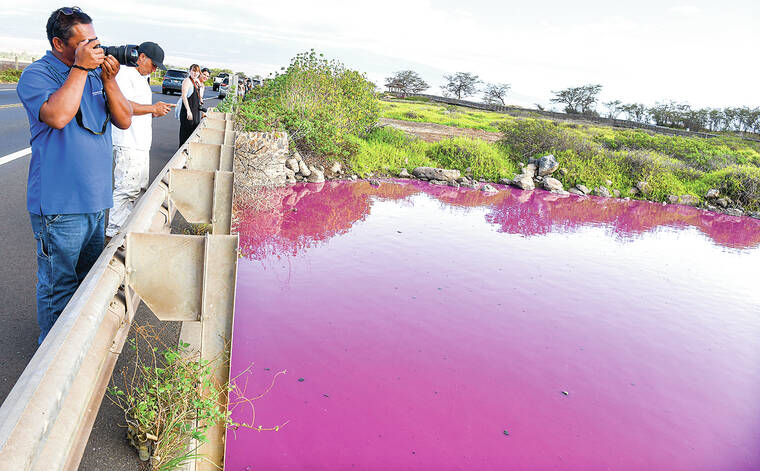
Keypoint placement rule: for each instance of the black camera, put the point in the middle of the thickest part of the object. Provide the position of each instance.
(126, 55)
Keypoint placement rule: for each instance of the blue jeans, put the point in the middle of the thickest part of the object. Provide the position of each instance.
(67, 247)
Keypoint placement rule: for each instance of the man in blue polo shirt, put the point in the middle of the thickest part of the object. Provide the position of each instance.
(71, 99)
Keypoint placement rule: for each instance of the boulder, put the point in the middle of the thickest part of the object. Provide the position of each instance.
(553, 185)
(691, 200)
(462, 180)
(315, 175)
(672, 199)
(292, 164)
(404, 174)
(454, 183)
(336, 168)
(547, 165)
(602, 191)
(755, 215)
(505, 181)
(734, 212)
(432, 173)
(375, 183)
(439, 182)
(576, 191)
(712, 193)
(723, 202)
(616, 193)
(488, 188)
(354, 177)
(643, 187)
(633, 191)
(583, 189)
(530, 169)
(523, 182)
(297, 155)
(303, 169)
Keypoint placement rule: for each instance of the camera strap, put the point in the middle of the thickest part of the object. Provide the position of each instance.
(61, 79)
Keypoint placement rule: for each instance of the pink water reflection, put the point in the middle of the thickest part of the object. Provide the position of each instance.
(424, 323)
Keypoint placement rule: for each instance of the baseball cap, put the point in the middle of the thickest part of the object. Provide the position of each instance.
(154, 53)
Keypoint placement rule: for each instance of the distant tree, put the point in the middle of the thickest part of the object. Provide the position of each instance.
(539, 106)
(614, 108)
(635, 112)
(716, 119)
(241, 75)
(494, 93)
(461, 84)
(578, 100)
(408, 81)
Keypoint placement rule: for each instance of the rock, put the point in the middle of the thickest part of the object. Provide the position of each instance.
(552, 184)
(530, 169)
(547, 165)
(354, 177)
(454, 183)
(755, 215)
(336, 168)
(375, 183)
(439, 182)
(602, 191)
(303, 169)
(672, 199)
(712, 193)
(583, 189)
(297, 156)
(616, 193)
(404, 173)
(470, 184)
(505, 181)
(723, 202)
(315, 175)
(292, 164)
(608, 182)
(538, 179)
(290, 179)
(523, 182)
(643, 187)
(711, 207)
(488, 188)
(563, 171)
(633, 191)
(576, 191)
(432, 173)
(689, 200)
(734, 212)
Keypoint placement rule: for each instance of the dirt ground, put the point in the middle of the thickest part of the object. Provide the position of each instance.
(430, 132)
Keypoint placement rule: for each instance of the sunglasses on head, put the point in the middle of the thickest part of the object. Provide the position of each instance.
(68, 11)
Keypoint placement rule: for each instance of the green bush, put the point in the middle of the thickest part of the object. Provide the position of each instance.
(318, 102)
(741, 183)
(486, 160)
(10, 75)
(530, 137)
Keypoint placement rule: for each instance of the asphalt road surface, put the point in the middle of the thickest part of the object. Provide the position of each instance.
(107, 448)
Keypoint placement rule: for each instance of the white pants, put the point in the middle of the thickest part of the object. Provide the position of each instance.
(130, 174)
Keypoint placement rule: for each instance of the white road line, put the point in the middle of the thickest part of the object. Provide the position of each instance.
(15, 155)
(7, 89)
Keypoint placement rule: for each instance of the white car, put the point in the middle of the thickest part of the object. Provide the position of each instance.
(219, 79)
(224, 87)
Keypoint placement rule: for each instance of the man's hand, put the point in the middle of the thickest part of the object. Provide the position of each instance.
(89, 56)
(109, 68)
(160, 109)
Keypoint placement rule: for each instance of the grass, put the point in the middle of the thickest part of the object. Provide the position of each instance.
(388, 150)
(448, 115)
(10, 76)
(591, 155)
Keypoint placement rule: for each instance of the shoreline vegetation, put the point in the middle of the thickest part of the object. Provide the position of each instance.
(331, 113)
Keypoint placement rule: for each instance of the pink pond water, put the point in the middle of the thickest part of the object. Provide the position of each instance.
(430, 328)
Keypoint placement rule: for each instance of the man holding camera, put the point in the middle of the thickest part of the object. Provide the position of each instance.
(71, 98)
(131, 147)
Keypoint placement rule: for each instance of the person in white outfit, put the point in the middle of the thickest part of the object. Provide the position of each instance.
(131, 147)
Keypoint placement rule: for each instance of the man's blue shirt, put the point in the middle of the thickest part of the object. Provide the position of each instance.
(71, 168)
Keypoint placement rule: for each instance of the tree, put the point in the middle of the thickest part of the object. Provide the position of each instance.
(494, 93)
(614, 108)
(408, 81)
(461, 84)
(578, 100)
(635, 112)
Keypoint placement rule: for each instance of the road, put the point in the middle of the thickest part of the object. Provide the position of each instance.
(106, 448)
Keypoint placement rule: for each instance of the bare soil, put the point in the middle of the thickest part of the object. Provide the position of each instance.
(430, 132)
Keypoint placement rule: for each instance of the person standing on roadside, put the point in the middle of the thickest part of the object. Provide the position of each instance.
(190, 112)
(71, 99)
(205, 74)
(131, 147)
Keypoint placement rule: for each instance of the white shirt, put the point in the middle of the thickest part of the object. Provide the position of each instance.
(135, 88)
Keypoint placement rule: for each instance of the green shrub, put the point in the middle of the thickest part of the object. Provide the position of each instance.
(741, 183)
(529, 137)
(318, 102)
(487, 160)
(10, 75)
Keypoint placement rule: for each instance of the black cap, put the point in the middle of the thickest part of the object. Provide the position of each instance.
(154, 53)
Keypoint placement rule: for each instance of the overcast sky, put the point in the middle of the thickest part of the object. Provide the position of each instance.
(704, 52)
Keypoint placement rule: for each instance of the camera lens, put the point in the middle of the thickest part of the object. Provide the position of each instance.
(126, 55)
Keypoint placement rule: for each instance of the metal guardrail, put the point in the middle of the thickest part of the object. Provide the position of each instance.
(47, 417)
